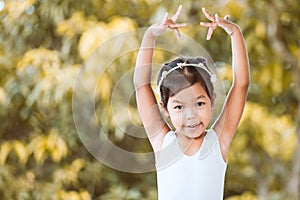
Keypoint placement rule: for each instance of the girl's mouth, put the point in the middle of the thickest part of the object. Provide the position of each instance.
(192, 126)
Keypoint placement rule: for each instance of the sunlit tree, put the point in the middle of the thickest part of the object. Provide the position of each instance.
(45, 44)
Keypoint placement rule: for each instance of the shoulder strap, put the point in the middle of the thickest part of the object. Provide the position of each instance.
(209, 143)
(169, 138)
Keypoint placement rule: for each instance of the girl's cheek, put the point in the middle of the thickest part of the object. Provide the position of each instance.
(176, 117)
(179, 119)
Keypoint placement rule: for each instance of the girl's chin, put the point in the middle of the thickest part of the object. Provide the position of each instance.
(197, 136)
(194, 135)
(195, 132)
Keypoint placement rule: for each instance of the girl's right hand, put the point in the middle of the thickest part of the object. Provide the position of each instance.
(216, 21)
(160, 27)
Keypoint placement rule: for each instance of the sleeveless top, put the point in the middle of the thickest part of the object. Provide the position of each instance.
(196, 177)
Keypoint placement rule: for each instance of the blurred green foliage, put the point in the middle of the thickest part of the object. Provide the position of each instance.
(43, 46)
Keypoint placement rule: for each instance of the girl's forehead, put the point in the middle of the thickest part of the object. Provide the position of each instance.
(193, 92)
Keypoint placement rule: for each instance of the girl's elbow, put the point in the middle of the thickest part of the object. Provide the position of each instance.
(138, 83)
(244, 84)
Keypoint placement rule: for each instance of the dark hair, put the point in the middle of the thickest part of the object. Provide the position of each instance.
(182, 78)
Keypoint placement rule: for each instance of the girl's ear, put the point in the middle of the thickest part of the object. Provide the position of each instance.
(165, 110)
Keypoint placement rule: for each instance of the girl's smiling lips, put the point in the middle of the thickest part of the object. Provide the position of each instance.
(192, 126)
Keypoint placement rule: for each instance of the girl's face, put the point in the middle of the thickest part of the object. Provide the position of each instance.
(190, 111)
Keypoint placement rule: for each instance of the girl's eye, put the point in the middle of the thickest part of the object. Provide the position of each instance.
(200, 104)
(178, 107)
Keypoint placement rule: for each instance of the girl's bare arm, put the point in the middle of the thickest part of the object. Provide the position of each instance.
(227, 123)
(153, 122)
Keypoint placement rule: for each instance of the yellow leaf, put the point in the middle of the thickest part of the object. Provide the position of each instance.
(2, 96)
(278, 132)
(56, 146)
(72, 195)
(16, 8)
(91, 39)
(21, 151)
(277, 78)
(56, 155)
(98, 33)
(260, 29)
(121, 24)
(104, 87)
(62, 146)
(236, 8)
(244, 196)
(39, 150)
(75, 25)
(4, 150)
(52, 139)
(77, 165)
(60, 151)
(84, 195)
(40, 59)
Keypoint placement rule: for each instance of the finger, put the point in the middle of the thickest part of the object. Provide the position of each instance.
(227, 17)
(209, 33)
(218, 19)
(177, 14)
(177, 25)
(207, 15)
(165, 17)
(208, 24)
(177, 32)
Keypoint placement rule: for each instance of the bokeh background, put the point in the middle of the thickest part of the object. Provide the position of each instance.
(45, 43)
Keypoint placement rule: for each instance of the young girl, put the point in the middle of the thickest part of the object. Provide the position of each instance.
(190, 161)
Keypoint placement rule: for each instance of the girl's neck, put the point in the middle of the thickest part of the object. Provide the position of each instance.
(190, 146)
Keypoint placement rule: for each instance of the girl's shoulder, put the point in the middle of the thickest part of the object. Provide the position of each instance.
(210, 143)
(212, 134)
(168, 138)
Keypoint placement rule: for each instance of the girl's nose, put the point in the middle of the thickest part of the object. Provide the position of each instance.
(190, 113)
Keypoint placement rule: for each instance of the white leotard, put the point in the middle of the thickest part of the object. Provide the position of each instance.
(197, 177)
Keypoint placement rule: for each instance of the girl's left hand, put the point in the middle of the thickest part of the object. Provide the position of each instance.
(216, 21)
(167, 22)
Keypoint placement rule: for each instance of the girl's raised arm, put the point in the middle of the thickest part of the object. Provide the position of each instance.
(152, 120)
(227, 123)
